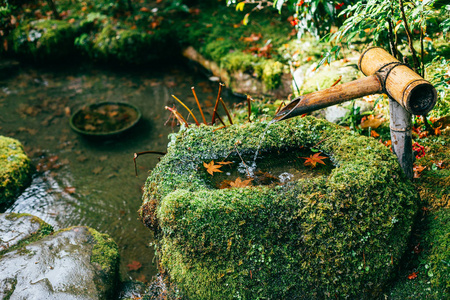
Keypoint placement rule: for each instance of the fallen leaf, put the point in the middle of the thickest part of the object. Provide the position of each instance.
(313, 160)
(372, 122)
(70, 190)
(417, 170)
(97, 170)
(103, 157)
(211, 167)
(82, 158)
(238, 183)
(134, 266)
(374, 134)
(413, 275)
(253, 37)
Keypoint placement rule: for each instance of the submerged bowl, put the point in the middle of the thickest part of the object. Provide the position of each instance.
(105, 119)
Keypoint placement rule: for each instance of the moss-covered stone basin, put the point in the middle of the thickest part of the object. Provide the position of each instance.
(339, 235)
(15, 169)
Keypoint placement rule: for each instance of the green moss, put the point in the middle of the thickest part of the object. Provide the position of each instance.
(270, 72)
(238, 61)
(15, 169)
(126, 46)
(342, 235)
(325, 76)
(44, 40)
(431, 264)
(105, 253)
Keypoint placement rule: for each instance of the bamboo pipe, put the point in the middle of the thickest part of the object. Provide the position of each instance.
(385, 74)
(331, 96)
(402, 84)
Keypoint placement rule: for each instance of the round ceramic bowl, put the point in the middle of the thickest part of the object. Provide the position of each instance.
(105, 119)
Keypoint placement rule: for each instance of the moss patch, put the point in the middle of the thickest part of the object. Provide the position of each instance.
(342, 235)
(15, 169)
(44, 40)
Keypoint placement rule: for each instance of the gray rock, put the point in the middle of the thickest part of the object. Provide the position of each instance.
(76, 263)
(15, 228)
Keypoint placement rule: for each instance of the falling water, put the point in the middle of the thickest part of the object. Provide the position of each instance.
(252, 168)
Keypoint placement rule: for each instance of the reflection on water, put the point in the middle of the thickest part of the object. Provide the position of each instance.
(83, 182)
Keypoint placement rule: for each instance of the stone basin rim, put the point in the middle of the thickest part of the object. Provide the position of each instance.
(104, 134)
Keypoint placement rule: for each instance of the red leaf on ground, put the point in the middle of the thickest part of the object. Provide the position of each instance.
(413, 275)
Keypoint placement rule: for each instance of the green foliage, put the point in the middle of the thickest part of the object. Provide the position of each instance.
(325, 237)
(438, 70)
(15, 169)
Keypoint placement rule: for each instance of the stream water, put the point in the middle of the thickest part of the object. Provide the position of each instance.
(92, 183)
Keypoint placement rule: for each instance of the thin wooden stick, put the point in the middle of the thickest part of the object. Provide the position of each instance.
(198, 104)
(408, 34)
(217, 103)
(226, 110)
(177, 115)
(280, 106)
(136, 155)
(249, 105)
(221, 121)
(422, 67)
(195, 119)
(337, 81)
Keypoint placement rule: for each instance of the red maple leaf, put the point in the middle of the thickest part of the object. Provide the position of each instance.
(313, 160)
(413, 275)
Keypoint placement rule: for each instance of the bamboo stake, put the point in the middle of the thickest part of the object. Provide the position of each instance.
(226, 111)
(177, 115)
(249, 105)
(195, 119)
(217, 103)
(198, 104)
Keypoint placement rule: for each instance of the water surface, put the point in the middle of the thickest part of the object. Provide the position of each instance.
(92, 183)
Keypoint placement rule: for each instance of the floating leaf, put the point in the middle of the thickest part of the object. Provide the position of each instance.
(211, 167)
(134, 266)
(314, 159)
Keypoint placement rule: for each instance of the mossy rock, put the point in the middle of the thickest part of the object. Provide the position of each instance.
(335, 236)
(127, 46)
(346, 70)
(44, 40)
(15, 169)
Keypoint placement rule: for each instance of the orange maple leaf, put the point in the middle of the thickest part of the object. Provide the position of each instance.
(238, 183)
(313, 160)
(417, 170)
(413, 275)
(134, 266)
(211, 167)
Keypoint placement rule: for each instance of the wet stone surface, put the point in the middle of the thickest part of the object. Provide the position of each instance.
(14, 228)
(56, 267)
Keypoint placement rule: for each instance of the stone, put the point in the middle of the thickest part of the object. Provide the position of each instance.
(15, 228)
(75, 263)
(15, 170)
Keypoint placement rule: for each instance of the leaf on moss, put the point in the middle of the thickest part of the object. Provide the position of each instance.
(211, 167)
(238, 183)
(413, 275)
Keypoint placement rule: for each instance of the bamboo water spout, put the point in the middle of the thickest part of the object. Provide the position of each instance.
(408, 94)
(385, 75)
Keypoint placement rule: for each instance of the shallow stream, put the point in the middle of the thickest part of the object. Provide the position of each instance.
(92, 183)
